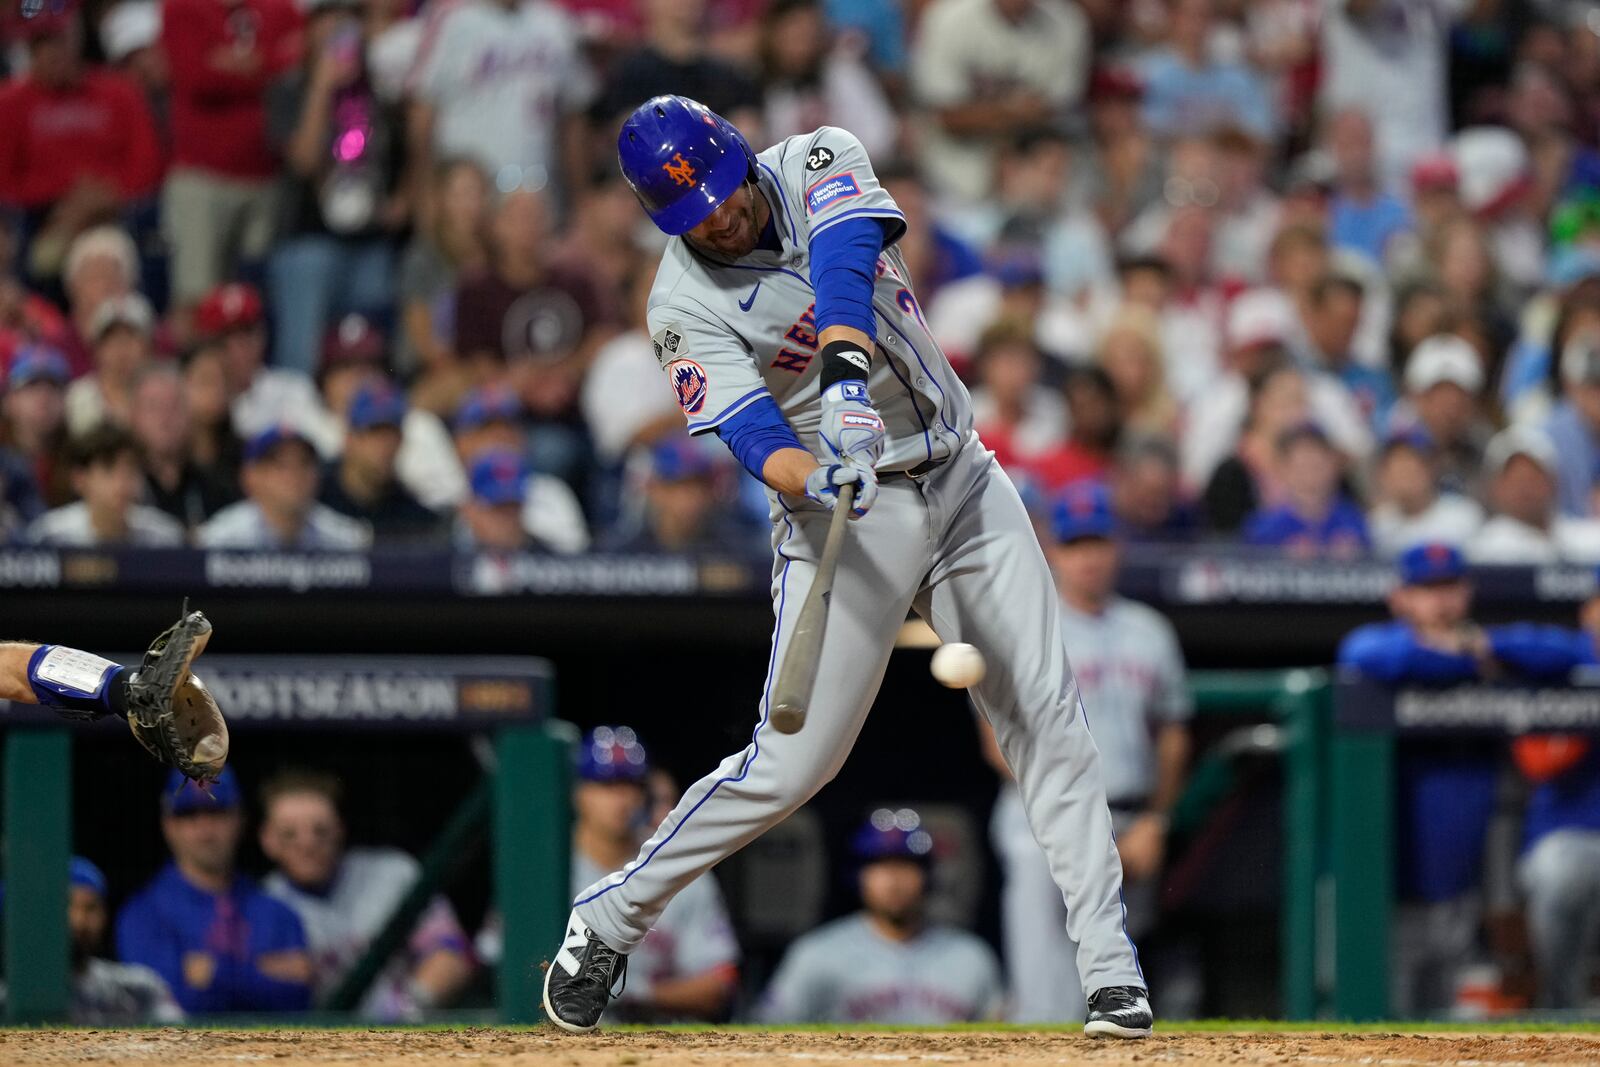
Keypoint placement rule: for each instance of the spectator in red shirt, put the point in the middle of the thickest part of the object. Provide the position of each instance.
(218, 205)
(77, 143)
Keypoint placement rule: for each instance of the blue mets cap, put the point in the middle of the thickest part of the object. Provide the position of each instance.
(682, 160)
(183, 797)
(263, 443)
(486, 405)
(376, 404)
(1429, 562)
(1082, 510)
(892, 834)
(678, 459)
(82, 871)
(612, 754)
(37, 363)
(498, 476)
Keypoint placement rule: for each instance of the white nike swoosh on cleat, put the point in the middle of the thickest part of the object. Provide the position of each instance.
(577, 937)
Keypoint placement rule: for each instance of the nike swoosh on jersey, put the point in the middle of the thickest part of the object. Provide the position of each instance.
(745, 305)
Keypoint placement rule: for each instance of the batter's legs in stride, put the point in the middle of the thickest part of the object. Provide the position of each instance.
(990, 587)
(994, 595)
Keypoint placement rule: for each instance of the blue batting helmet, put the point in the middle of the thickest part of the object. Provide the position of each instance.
(892, 834)
(682, 160)
(612, 754)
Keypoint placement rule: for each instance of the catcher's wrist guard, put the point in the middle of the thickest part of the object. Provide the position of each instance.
(77, 684)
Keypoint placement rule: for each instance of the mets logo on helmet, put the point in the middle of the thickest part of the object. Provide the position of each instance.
(680, 170)
(689, 382)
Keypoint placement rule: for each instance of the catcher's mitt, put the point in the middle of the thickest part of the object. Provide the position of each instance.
(170, 710)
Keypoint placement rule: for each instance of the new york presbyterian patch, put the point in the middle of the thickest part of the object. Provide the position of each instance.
(689, 382)
(830, 191)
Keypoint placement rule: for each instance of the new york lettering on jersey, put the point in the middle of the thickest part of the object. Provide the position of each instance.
(728, 334)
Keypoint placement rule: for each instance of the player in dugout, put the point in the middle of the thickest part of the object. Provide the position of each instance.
(105, 992)
(345, 896)
(1558, 871)
(887, 963)
(1447, 788)
(221, 943)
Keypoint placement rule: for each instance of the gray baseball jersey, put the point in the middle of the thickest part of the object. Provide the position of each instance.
(847, 971)
(107, 993)
(341, 922)
(1131, 673)
(953, 542)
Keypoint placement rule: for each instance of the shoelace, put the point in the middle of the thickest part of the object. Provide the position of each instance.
(1116, 999)
(601, 968)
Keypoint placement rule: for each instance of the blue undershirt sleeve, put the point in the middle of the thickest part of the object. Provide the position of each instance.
(844, 267)
(756, 432)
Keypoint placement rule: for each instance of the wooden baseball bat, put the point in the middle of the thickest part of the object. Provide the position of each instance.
(791, 697)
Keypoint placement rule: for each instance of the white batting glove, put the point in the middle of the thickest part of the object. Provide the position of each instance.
(851, 429)
(822, 485)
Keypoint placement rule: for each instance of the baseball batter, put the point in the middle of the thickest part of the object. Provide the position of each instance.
(786, 323)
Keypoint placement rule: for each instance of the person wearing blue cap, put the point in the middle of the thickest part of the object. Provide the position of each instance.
(682, 511)
(104, 992)
(1131, 677)
(32, 436)
(687, 967)
(491, 518)
(221, 943)
(887, 963)
(362, 483)
(493, 419)
(1411, 504)
(1559, 868)
(1447, 791)
(280, 510)
(107, 478)
(1316, 517)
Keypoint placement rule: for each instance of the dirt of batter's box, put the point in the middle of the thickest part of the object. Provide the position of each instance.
(485, 1047)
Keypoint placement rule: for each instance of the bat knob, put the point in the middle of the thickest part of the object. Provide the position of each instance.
(788, 718)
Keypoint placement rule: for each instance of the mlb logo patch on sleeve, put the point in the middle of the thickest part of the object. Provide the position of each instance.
(831, 191)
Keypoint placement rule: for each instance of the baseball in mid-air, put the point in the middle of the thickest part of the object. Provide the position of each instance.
(958, 665)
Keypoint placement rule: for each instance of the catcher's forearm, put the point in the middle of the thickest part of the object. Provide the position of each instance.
(74, 682)
(14, 686)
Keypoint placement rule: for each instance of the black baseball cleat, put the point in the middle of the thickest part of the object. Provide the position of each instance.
(577, 986)
(1119, 1011)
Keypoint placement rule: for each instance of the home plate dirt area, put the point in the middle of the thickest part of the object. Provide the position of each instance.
(502, 1047)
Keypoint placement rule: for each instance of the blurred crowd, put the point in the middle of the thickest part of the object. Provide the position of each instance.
(319, 273)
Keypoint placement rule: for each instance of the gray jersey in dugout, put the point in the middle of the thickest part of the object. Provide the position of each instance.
(848, 972)
(1131, 674)
(731, 335)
